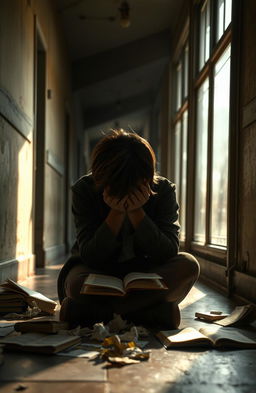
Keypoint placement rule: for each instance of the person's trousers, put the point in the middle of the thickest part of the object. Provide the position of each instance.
(179, 273)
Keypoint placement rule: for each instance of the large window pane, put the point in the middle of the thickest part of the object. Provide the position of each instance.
(177, 158)
(201, 162)
(218, 233)
(183, 176)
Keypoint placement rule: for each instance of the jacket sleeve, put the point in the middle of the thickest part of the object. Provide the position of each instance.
(95, 239)
(158, 236)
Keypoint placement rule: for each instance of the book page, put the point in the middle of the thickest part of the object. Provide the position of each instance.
(227, 336)
(29, 292)
(101, 280)
(140, 276)
(185, 336)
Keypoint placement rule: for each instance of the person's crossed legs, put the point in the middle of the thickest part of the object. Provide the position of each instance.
(149, 308)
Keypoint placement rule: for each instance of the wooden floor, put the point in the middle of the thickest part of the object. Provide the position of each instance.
(175, 371)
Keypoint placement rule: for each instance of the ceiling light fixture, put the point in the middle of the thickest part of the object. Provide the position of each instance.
(123, 17)
(124, 14)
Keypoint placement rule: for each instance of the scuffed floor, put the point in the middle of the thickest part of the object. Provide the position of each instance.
(174, 371)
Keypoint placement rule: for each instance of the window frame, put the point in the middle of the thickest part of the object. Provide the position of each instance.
(217, 48)
(190, 38)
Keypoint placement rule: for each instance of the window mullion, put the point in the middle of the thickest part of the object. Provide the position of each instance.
(181, 164)
(209, 157)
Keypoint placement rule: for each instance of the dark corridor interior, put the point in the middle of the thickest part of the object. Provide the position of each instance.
(182, 75)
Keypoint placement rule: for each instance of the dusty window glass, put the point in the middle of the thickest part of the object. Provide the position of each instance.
(186, 72)
(204, 37)
(183, 175)
(228, 12)
(218, 231)
(224, 8)
(178, 86)
(177, 158)
(201, 162)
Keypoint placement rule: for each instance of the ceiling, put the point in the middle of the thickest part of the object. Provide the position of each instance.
(116, 71)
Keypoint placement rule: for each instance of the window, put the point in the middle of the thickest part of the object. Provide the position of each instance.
(218, 219)
(183, 181)
(205, 123)
(224, 8)
(205, 28)
(212, 87)
(180, 135)
(201, 162)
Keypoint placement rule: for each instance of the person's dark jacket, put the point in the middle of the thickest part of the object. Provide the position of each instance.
(155, 238)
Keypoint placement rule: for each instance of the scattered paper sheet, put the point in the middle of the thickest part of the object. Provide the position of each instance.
(29, 313)
(79, 353)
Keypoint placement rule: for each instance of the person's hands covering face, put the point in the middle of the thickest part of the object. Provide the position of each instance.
(138, 198)
(115, 203)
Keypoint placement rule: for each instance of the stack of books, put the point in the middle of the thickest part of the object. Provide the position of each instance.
(11, 302)
(16, 298)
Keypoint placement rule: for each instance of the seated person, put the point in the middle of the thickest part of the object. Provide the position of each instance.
(126, 219)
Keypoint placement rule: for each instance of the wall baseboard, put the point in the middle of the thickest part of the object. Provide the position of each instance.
(213, 271)
(17, 269)
(55, 253)
(244, 286)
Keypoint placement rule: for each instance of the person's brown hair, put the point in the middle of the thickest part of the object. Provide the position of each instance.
(121, 161)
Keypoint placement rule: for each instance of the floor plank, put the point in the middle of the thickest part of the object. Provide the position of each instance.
(172, 371)
(56, 387)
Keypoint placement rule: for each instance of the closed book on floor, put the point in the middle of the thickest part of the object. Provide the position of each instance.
(40, 325)
(217, 337)
(39, 342)
(100, 284)
(241, 315)
(44, 303)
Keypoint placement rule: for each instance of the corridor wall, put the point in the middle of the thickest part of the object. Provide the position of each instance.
(20, 23)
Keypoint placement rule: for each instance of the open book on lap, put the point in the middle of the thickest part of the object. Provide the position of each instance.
(217, 337)
(100, 284)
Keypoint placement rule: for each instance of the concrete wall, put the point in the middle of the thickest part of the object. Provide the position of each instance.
(18, 22)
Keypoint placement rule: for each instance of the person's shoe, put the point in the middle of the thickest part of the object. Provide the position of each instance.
(75, 314)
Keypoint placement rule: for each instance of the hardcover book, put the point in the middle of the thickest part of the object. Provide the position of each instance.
(17, 291)
(218, 337)
(100, 284)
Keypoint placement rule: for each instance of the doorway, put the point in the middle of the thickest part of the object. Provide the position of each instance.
(39, 149)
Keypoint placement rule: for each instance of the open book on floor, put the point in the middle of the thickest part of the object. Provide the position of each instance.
(217, 337)
(242, 315)
(39, 342)
(11, 290)
(100, 284)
